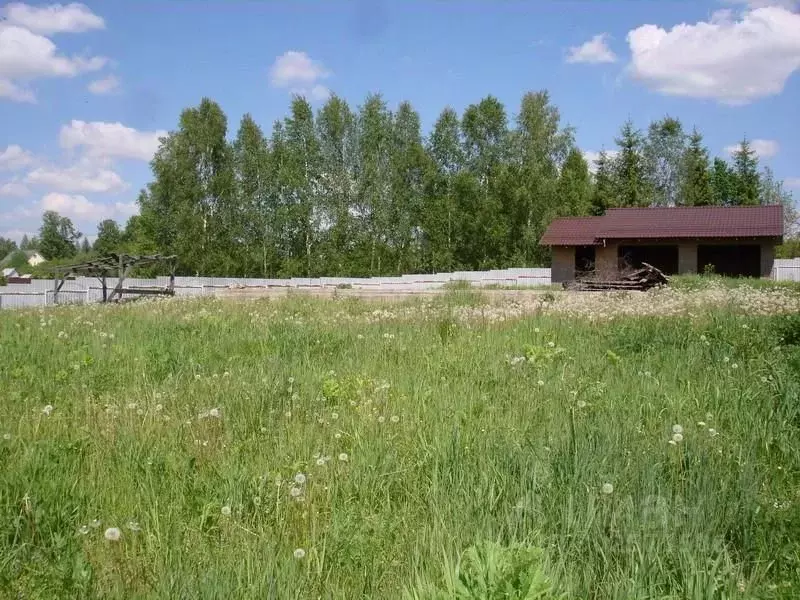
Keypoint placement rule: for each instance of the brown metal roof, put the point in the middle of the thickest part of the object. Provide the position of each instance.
(667, 223)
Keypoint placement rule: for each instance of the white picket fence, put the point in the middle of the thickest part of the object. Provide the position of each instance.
(786, 269)
(81, 290)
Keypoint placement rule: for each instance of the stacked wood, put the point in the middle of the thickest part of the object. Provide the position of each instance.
(640, 280)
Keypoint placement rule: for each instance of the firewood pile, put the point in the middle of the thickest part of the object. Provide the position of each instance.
(640, 280)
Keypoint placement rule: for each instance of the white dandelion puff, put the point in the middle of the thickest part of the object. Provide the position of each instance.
(134, 526)
(712, 432)
(112, 534)
(334, 416)
(320, 462)
(677, 429)
(343, 457)
(677, 438)
(96, 523)
(295, 492)
(581, 404)
(47, 410)
(84, 529)
(701, 423)
(337, 435)
(299, 553)
(299, 478)
(607, 489)
(551, 344)
(226, 511)
(6, 436)
(214, 413)
(540, 383)
(381, 419)
(395, 419)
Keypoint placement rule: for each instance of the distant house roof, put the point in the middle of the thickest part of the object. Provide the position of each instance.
(667, 223)
(9, 272)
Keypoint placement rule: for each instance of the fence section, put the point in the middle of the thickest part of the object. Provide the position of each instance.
(39, 292)
(786, 269)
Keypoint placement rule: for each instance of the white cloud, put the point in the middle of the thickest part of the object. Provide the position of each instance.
(298, 73)
(106, 85)
(732, 60)
(14, 189)
(763, 148)
(14, 158)
(82, 177)
(25, 55)
(13, 92)
(81, 208)
(16, 234)
(55, 18)
(110, 140)
(594, 51)
(792, 182)
(591, 157)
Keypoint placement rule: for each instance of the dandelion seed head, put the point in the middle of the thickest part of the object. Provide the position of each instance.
(112, 534)
(395, 419)
(133, 526)
(320, 462)
(295, 492)
(334, 416)
(337, 435)
(48, 409)
(677, 429)
(225, 510)
(677, 438)
(299, 478)
(712, 432)
(84, 529)
(214, 413)
(607, 488)
(299, 553)
(581, 404)
(6, 436)
(96, 523)
(343, 457)
(381, 419)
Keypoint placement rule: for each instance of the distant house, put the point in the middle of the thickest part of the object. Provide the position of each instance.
(9, 272)
(34, 258)
(728, 240)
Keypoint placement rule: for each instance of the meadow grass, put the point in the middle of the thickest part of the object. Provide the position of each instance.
(318, 449)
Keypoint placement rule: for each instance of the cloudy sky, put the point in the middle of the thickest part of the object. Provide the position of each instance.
(87, 89)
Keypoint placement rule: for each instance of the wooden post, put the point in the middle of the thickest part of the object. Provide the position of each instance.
(105, 288)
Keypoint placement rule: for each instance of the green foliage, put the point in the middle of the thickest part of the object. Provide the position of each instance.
(789, 249)
(7, 246)
(18, 260)
(109, 238)
(745, 175)
(58, 236)
(491, 571)
(696, 188)
(663, 152)
(630, 174)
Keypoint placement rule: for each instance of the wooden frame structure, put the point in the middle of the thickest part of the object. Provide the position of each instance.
(118, 265)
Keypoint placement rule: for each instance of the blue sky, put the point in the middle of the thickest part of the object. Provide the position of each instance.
(85, 89)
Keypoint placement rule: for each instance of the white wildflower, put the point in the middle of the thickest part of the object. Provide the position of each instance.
(540, 383)
(263, 430)
(581, 404)
(96, 523)
(6, 436)
(337, 435)
(226, 511)
(134, 526)
(84, 529)
(381, 419)
(343, 457)
(113, 534)
(159, 408)
(734, 366)
(320, 462)
(299, 553)
(551, 344)
(214, 413)
(607, 488)
(334, 416)
(536, 330)
(395, 419)
(257, 500)
(712, 432)
(677, 429)
(701, 423)
(726, 359)
(677, 438)
(291, 380)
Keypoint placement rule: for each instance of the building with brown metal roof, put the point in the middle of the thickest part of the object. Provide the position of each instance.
(728, 240)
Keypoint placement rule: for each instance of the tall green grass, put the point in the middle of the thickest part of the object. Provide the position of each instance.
(437, 462)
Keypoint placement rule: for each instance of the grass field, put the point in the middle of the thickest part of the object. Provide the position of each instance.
(442, 449)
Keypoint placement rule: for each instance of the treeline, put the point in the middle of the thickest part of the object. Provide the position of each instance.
(363, 192)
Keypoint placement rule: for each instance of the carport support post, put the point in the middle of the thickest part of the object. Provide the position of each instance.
(105, 287)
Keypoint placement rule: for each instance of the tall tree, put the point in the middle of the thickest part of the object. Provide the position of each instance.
(722, 183)
(446, 161)
(24, 242)
(338, 139)
(7, 246)
(59, 238)
(190, 204)
(695, 187)
(663, 153)
(539, 146)
(374, 188)
(771, 191)
(632, 186)
(255, 215)
(109, 237)
(302, 178)
(604, 195)
(745, 174)
(483, 232)
(86, 247)
(408, 167)
(574, 186)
